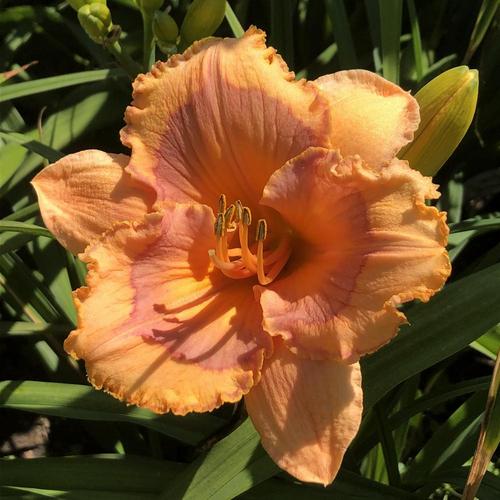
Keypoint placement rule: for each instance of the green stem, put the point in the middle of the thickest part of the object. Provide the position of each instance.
(149, 55)
(125, 61)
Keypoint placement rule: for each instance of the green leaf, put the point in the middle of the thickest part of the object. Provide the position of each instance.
(456, 316)
(483, 21)
(84, 402)
(367, 439)
(488, 490)
(373, 15)
(281, 34)
(223, 473)
(342, 33)
(89, 113)
(50, 259)
(32, 145)
(390, 33)
(388, 446)
(451, 444)
(29, 290)
(24, 213)
(489, 343)
(483, 224)
(373, 465)
(38, 493)
(347, 486)
(23, 227)
(233, 22)
(25, 328)
(99, 472)
(17, 90)
(435, 398)
(420, 60)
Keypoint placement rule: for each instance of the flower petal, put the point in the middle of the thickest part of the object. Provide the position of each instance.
(83, 194)
(156, 327)
(366, 242)
(220, 118)
(307, 413)
(371, 116)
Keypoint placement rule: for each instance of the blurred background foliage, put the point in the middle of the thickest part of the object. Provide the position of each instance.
(425, 392)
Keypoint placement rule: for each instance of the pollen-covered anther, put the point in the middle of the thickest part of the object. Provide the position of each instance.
(245, 263)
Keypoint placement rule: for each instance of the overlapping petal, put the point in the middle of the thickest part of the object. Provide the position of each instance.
(156, 327)
(371, 116)
(84, 193)
(307, 413)
(365, 242)
(220, 118)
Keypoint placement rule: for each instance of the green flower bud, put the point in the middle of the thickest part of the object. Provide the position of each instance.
(165, 28)
(95, 19)
(202, 19)
(149, 5)
(447, 106)
(78, 4)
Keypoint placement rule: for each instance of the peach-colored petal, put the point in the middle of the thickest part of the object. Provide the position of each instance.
(220, 118)
(365, 243)
(371, 116)
(156, 327)
(307, 413)
(83, 194)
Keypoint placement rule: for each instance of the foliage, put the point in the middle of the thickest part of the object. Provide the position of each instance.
(425, 392)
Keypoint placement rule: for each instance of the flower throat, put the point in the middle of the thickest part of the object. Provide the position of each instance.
(244, 262)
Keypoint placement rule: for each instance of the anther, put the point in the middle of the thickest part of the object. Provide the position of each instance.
(228, 217)
(219, 225)
(261, 232)
(246, 216)
(239, 211)
(222, 203)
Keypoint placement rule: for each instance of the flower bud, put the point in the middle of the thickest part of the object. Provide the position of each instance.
(447, 105)
(78, 4)
(202, 19)
(165, 28)
(149, 5)
(95, 19)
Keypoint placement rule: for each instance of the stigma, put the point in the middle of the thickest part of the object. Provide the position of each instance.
(248, 259)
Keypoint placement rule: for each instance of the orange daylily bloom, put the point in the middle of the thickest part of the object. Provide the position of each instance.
(256, 243)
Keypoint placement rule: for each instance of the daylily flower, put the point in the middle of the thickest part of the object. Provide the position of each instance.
(256, 243)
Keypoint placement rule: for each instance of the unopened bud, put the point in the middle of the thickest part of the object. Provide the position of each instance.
(78, 4)
(165, 29)
(149, 5)
(95, 19)
(447, 106)
(202, 19)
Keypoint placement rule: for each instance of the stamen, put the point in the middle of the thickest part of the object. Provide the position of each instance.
(261, 233)
(219, 225)
(231, 269)
(281, 258)
(239, 211)
(245, 263)
(246, 216)
(228, 217)
(220, 235)
(247, 256)
(222, 203)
